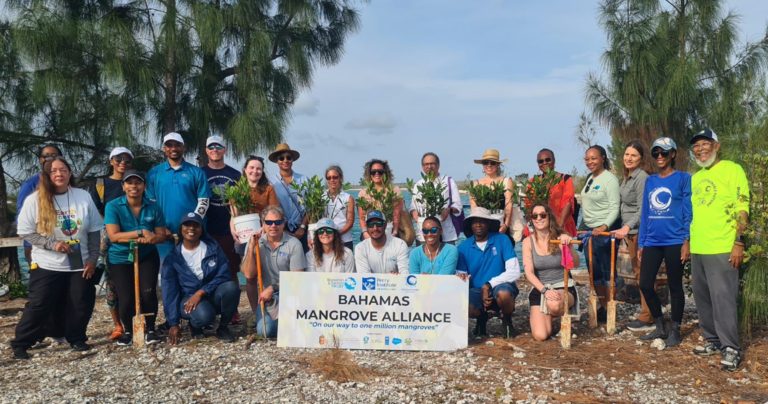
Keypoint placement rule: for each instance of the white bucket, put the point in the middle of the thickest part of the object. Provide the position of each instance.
(419, 226)
(246, 226)
(311, 229)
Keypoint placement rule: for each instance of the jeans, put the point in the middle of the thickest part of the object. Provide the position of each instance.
(224, 301)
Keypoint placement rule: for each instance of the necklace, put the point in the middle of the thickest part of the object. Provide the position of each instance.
(432, 256)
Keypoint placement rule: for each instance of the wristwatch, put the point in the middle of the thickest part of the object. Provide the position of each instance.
(140, 233)
(303, 226)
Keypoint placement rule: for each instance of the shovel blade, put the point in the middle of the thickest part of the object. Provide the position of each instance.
(565, 331)
(138, 331)
(610, 324)
(592, 311)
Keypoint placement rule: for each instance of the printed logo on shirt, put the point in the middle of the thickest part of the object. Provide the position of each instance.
(660, 200)
(493, 251)
(212, 263)
(68, 222)
(217, 183)
(704, 193)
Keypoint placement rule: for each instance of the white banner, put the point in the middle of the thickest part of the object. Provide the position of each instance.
(372, 311)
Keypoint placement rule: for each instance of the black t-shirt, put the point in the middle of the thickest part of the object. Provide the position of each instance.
(218, 211)
(113, 189)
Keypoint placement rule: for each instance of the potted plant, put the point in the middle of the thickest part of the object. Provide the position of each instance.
(429, 197)
(383, 200)
(239, 197)
(313, 198)
(490, 197)
(538, 188)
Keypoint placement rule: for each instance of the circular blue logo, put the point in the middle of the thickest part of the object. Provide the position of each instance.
(350, 283)
(411, 280)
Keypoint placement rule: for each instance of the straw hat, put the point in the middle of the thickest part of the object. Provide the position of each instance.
(481, 213)
(490, 155)
(283, 148)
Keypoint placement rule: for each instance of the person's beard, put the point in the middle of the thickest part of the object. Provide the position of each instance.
(708, 162)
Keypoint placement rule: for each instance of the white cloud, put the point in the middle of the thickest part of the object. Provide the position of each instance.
(306, 105)
(376, 125)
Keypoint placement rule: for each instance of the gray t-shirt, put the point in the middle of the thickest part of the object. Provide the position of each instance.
(392, 258)
(632, 199)
(287, 256)
(330, 263)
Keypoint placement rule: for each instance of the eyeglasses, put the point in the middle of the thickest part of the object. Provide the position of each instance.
(376, 224)
(537, 216)
(277, 222)
(285, 157)
(702, 145)
(332, 177)
(589, 185)
(490, 163)
(377, 172)
(60, 171)
(126, 160)
(433, 230)
(657, 153)
(215, 147)
(542, 161)
(325, 230)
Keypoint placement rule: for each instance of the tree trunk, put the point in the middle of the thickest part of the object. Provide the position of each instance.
(9, 257)
(170, 77)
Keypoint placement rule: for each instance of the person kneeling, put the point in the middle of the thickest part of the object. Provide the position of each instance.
(542, 261)
(197, 284)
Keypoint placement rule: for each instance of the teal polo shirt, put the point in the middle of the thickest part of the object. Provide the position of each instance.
(483, 265)
(176, 191)
(118, 212)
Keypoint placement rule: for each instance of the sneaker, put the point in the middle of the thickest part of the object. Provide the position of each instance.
(731, 359)
(673, 339)
(39, 344)
(637, 325)
(236, 319)
(125, 340)
(152, 338)
(658, 332)
(116, 333)
(224, 334)
(20, 353)
(197, 333)
(80, 347)
(59, 341)
(709, 349)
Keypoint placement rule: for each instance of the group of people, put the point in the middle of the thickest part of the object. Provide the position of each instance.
(184, 233)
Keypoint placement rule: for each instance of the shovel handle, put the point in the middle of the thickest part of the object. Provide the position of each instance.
(558, 242)
(602, 233)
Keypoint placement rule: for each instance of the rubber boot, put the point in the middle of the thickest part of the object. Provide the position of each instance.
(673, 339)
(480, 323)
(659, 332)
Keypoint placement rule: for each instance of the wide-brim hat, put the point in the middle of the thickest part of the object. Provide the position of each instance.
(481, 213)
(283, 148)
(490, 155)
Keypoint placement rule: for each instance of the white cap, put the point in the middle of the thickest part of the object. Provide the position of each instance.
(215, 139)
(173, 136)
(118, 151)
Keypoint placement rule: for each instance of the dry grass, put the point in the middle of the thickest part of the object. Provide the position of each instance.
(337, 365)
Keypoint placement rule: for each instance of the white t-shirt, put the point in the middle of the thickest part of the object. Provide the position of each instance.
(194, 258)
(330, 263)
(337, 211)
(76, 216)
(392, 258)
(452, 198)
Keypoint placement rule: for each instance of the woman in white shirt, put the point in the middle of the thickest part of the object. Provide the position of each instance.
(63, 226)
(341, 205)
(328, 254)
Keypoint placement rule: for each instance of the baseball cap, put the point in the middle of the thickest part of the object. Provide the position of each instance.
(707, 133)
(118, 151)
(375, 215)
(664, 143)
(192, 217)
(215, 139)
(133, 173)
(173, 136)
(326, 223)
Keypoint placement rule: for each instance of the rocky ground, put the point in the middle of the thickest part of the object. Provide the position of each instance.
(598, 368)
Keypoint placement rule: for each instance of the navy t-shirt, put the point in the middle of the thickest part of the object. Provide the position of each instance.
(218, 211)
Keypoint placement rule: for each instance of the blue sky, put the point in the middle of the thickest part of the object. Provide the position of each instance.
(455, 78)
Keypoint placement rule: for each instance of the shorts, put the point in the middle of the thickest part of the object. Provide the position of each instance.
(476, 295)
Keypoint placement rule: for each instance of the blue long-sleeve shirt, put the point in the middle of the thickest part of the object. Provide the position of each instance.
(667, 212)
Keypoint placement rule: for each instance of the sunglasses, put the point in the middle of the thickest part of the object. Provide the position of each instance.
(589, 185)
(332, 177)
(376, 224)
(49, 157)
(433, 230)
(277, 222)
(537, 216)
(126, 160)
(215, 147)
(546, 160)
(286, 157)
(657, 153)
(325, 230)
(490, 163)
(377, 172)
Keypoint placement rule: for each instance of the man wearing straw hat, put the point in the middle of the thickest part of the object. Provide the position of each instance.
(488, 261)
(282, 182)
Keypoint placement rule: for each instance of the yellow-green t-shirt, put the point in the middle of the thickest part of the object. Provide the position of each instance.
(717, 194)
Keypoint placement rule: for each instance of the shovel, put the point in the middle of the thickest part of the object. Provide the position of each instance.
(610, 324)
(565, 320)
(139, 321)
(592, 301)
(260, 281)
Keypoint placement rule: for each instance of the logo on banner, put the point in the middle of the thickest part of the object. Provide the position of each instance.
(411, 280)
(369, 283)
(386, 340)
(366, 339)
(350, 283)
(396, 341)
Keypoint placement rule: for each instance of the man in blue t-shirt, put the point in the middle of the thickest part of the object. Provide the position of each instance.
(488, 261)
(219, 176)
(177, 187)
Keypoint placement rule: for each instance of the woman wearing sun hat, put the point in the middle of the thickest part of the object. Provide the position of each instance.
(328, 253)
(492, 170)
